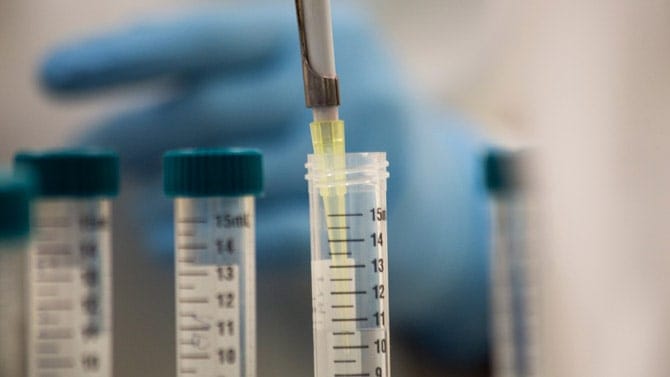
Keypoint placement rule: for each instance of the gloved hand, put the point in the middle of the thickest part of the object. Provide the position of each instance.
(235, 79)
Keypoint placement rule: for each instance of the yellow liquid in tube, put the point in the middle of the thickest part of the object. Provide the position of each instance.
(328, 141)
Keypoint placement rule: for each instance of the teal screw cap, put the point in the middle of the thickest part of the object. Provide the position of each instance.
(213, 172)
(14, 208)
(501, 171)
(71, 172)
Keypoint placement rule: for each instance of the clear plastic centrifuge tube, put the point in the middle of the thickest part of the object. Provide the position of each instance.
(350, 297)
(69, 262)
(215, 257)
(14, 227)
(511, 268)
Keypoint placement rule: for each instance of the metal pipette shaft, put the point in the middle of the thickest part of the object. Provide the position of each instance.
(318, 58)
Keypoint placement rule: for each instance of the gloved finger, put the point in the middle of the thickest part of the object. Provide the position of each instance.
(216, 37)
(218, 110)
(260, 110)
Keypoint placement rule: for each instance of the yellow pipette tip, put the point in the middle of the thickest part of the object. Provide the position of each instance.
(328, 141)
(328, 137)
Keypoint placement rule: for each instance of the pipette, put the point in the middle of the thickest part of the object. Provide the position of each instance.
(215, 259)
(69, 262)
(347, 221)
(319, 76)
(14, 227)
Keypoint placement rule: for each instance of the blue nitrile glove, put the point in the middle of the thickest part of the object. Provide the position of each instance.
(235, 75)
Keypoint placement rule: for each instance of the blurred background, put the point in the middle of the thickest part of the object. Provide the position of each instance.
(462, 53)
(586, 83)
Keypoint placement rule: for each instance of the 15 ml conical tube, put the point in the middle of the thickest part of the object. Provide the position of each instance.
(14, 227)
(350, 296)
(215, 259)
(70, 262)
(512, 270)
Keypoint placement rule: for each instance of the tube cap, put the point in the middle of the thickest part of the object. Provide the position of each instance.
(502, 172)
(14, 208)
(213, 172)
(71, 172)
